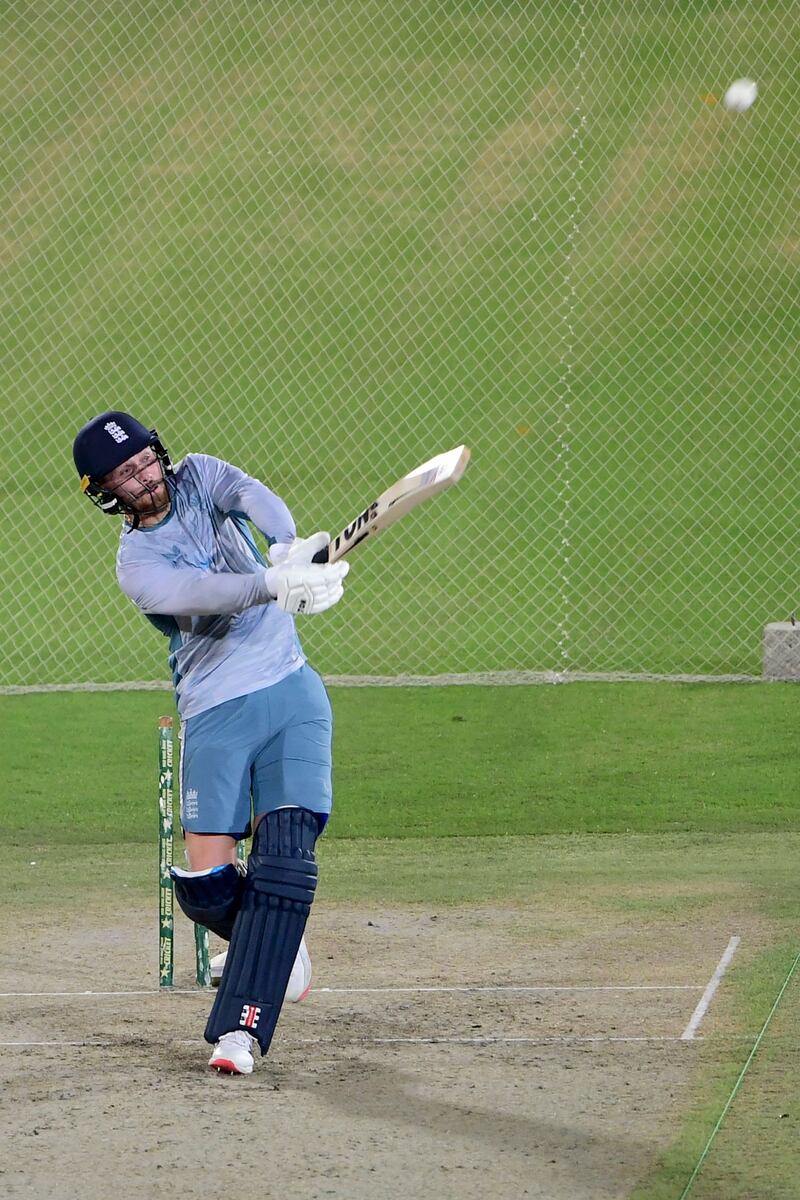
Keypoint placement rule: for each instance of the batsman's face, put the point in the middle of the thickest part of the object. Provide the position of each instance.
(139, 483)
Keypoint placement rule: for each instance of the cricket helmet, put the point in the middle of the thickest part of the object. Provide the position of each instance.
(103, 444)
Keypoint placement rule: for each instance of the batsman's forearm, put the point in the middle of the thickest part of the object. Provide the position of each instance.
(188, 593)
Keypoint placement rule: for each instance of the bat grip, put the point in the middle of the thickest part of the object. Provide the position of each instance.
(321, 556)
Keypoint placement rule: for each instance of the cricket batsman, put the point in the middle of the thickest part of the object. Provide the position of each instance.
(255, 717)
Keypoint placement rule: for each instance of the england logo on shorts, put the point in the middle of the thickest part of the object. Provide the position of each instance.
(191, 808)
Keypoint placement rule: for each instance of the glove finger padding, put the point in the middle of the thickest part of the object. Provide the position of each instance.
(302, 550)
(308, 588)
(279, 552)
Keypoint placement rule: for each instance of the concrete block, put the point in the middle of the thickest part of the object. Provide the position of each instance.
(782, 651)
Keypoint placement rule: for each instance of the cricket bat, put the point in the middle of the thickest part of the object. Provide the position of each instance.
(420, 484)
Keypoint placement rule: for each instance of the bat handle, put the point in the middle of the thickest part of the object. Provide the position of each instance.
(321, 556)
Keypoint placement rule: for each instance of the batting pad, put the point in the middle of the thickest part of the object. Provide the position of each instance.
(278, 892)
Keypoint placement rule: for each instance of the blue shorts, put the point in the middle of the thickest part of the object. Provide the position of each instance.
(271, 747)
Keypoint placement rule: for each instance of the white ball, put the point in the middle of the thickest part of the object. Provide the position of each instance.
(740, 95)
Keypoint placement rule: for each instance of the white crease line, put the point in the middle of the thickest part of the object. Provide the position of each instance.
(86, 995)
(689, 1032)
(561, 987)
(552, 1040)
(344, 991)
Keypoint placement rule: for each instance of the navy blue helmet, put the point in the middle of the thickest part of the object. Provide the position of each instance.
(103, 444)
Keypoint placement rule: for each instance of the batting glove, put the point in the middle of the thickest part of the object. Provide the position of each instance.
(302, 550)
(306, 587)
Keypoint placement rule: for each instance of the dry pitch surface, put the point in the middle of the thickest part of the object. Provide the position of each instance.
(376, 1087)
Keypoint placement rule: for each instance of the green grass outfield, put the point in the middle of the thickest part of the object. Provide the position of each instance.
(326, 242)
(671, 802)
(438, 762)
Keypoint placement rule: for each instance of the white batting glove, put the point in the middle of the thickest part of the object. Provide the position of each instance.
(306, 587)
(301, 550)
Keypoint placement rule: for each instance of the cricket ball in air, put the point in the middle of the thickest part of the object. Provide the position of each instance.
(740, 95)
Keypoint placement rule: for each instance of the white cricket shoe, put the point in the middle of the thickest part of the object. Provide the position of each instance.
(299, 981)
(233, 1053)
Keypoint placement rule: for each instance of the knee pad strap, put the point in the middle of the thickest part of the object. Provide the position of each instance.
(292, 880)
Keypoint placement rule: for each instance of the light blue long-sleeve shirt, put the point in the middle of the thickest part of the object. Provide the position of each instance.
(199, 577)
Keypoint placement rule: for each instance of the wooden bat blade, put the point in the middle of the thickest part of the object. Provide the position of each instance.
(418, 485)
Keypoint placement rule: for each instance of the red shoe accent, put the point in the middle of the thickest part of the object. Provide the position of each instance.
(225, 1064)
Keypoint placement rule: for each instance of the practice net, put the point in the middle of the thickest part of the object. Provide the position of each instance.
(326, 241)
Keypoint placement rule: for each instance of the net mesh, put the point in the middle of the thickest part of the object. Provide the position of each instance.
(326, 241)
